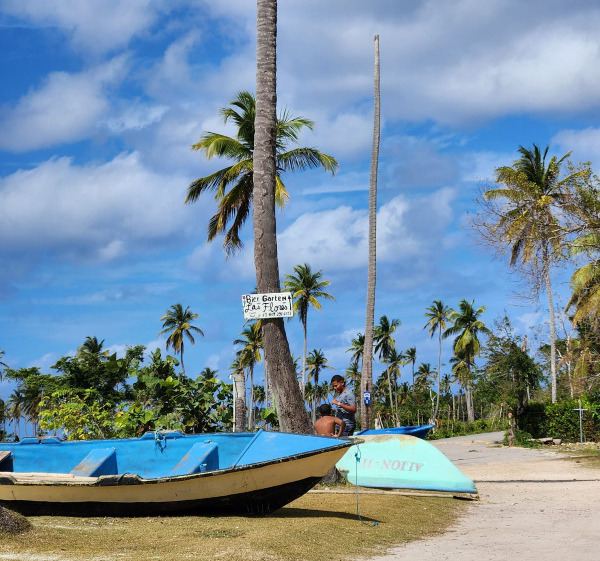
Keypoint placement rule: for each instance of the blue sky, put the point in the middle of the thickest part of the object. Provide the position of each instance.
(101, 101)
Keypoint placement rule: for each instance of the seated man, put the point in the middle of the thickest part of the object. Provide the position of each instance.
(325, 425)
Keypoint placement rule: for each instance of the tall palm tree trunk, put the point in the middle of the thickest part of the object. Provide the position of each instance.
(288, 398)
(437, 401)
(393, 412)
(367, 375)
(552, 327)
(251, 407)
(239, 400)
(181, 356)
(304, 359)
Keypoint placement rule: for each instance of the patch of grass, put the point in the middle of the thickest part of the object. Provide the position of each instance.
(310, 528)
(588, 455)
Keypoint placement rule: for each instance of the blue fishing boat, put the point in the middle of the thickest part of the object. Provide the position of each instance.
(159, 473)
(418, 431)
(400, 461)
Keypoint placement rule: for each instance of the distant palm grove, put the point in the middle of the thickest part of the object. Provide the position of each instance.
(536, 215)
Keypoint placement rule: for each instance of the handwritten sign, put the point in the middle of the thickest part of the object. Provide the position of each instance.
(263, 306)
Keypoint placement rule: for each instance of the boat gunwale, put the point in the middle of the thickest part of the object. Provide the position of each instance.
(61, 479)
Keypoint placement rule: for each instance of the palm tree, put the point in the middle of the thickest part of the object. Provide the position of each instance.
(383, 336)
(15, 404)
(411, 357)
(385, 345)
(316, 362)
(306, 287)
(424, 376)
(2, 365)
(208, 372)
(252, 341)
(394, 361)
(352, 377)
(367, 374)
(178, 322)
(466, 328)
(91, 346)
(287, 395)
(357, 347)
(585, 281)
(526, 220)
(233, 184)
(437, 315)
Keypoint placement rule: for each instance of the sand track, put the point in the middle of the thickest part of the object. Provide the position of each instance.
(534, 504)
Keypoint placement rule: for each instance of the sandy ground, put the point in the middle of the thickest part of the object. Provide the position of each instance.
(533, 504)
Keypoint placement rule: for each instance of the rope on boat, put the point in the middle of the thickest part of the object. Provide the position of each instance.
(160, 439)
(357, 456)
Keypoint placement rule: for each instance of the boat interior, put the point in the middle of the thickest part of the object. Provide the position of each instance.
(151, 456)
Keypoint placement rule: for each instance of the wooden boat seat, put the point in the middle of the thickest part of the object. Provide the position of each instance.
(99, 461)
(201, 457)
(6, 463)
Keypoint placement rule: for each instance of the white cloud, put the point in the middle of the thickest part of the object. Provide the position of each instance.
(585, 144)
(337, 239)
(96, 211)
(95, 26)
(453, 62)
(66, 108)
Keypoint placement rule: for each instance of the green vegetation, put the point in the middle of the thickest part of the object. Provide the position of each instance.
(306, 525)
(233, 184)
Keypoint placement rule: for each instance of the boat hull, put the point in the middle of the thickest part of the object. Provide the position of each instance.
(402, 462)
(418, 431)
(253, 488)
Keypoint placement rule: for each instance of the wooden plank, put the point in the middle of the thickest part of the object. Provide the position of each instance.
(47, 477)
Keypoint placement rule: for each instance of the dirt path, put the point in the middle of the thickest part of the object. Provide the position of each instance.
(534, 505)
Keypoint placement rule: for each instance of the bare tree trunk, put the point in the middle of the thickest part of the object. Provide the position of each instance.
(367, 374)
(439, 375)
(239, 403)
(251, 408)
(304, 361)
(286, 393)
(469, 403)
(552, 329)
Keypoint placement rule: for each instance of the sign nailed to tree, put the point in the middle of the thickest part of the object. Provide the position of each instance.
(263, 306)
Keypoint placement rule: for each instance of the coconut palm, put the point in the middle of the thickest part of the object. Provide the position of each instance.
(383, 336)
(357, 348)
(526, 220)
(2, 365)
(250, 354)
(352, 377)
(233, 184)
(424, 376)
(16, 402)
(394, 361)
(385, 345)
(91, 346)
(585, 281)
(437, 318)
(306, 288)
(316, 362)
(178, 322)
(466, 328)
(411, 357)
